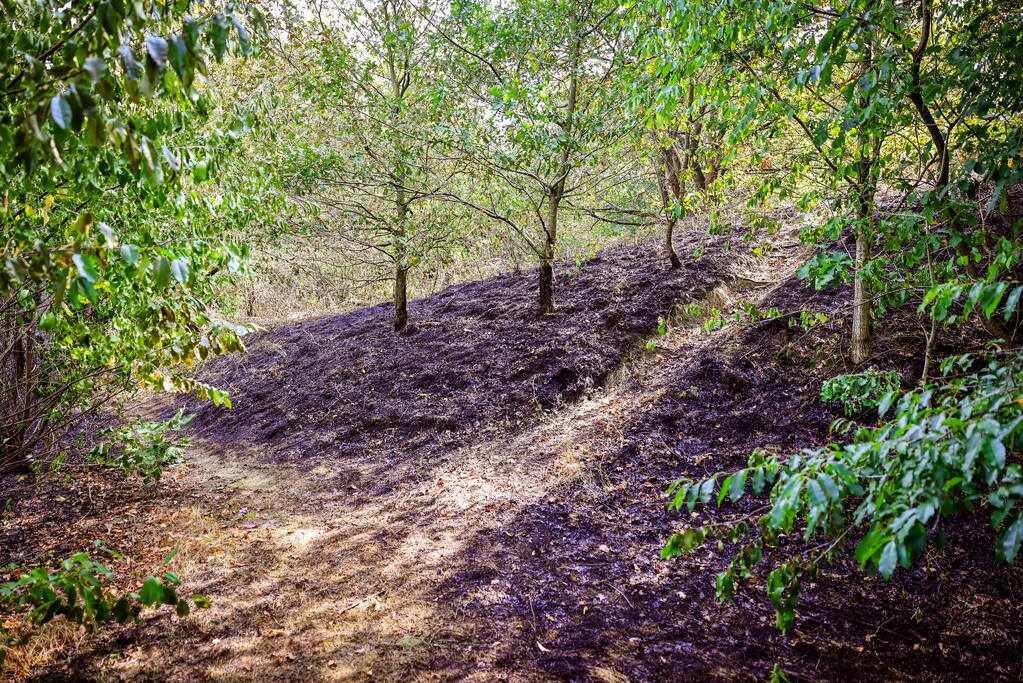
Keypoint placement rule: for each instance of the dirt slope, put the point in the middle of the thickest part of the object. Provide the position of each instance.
(476, 355)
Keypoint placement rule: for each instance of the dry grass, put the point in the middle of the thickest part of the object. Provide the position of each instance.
(49, 644)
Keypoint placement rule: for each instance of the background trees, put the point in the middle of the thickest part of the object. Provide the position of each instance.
(849, 94)
(366, 77)
(547, 112)
(844, 104)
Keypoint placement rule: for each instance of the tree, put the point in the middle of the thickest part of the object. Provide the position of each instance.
(545, 112)
(377, 161)
(112, 252)
(860, 84)
(688, 140)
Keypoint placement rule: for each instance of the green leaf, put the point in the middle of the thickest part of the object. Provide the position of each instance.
(725, 486)
(151, 592)
(829, 486)
(130, 253)
(1009, 541)
(1012, 302)
(161, 271)
(170, 596)
(179, 269)
(177, 53)
(157, 49)
(86, 266)
(108, 234)
(889, 558)
(172, 555)
(219, 35)
(131, 66)
(95, 67)
(60, 110)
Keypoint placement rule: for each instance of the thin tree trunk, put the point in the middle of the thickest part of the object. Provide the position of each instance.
(669, 244)
(547, 257)
(401, 201)
(400, 261)
(662, 168)
(400, 298)
(862, 323)
(22, 420)
(860, 346)
(558, 190)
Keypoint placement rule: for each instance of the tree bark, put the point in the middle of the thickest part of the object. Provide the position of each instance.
(547, 257)
(860, 346)
(862, 315)
(662, 171)
(22, 422)
(401, 260)
(400, 298)
(669, 244)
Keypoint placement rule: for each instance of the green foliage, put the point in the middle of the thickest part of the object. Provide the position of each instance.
(850, 98)
(115, 243)
(143, 448)
(745, 312)
(662, 329)
(78, 591)
(861, 390)
(778, 674)
(945, 447)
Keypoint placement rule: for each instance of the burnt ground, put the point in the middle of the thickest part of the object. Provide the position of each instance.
(476, 357)
(481, 499)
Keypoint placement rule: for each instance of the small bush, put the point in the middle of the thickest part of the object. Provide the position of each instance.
(77, 590)
(143, 448)
(949, 446)
(861, 390)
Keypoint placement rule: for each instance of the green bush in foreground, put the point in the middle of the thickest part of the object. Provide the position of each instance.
(948, 446)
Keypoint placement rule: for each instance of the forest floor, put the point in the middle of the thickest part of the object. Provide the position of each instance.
(481, 498)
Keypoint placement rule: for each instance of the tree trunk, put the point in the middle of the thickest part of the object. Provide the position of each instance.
(400, 297)
(22, 422)
(662, 171)
(547, 257)
(399, 233)
(865, 187)
(400, 263)
(669, 244)
(547, 287)
(861, 321)
(557, 192)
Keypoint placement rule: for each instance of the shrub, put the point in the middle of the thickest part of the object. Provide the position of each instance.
(947, 446)
(859, 391)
